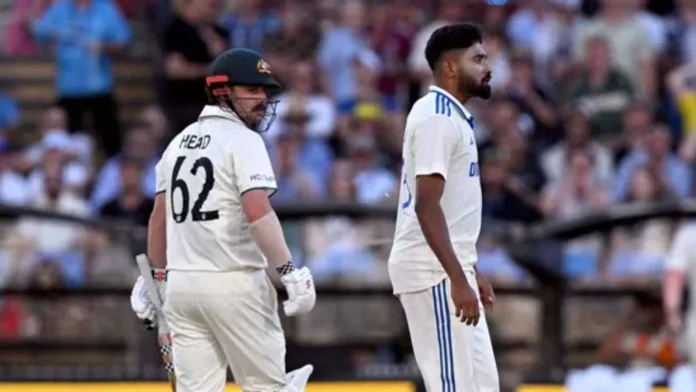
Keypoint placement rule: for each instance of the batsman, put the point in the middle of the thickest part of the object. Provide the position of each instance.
(211, 234)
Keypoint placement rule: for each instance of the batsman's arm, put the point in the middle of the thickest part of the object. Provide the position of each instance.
(157, 225)
(256, 183)
(156, 233)
(433, 144)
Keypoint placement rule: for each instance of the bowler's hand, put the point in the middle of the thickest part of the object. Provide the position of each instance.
(485, 292)
(465, 302)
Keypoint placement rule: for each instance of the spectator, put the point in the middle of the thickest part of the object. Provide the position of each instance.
(372, 181)
(18, 37)
(296, 40)
(501, 117)
(553, 44)
(496, 48)
(139, 145)
(636, 122)
(555, 160)
(63, 242)
(681, 36)
(601, 91)
(58, 151)
(523, 25)
(9, 114)
(672, 175)
(131, 204)
(297, 35)
(391, 40)
(628, 42)
(340, 49)
(342, 187)
(534, 103)
(638, 251)
(369, 105)
(294, 181)
(523, 177)
(13, 187)
(53, 127)
(153, 118)
(249, 25)
(681, 84)
(654, 26)
(86, 33)
(319, 108)
(578, 193)
(314, 155)
(500, 201)
(421, 74)
(191, 41)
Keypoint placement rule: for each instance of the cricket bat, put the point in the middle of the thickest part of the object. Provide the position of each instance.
(164, 338)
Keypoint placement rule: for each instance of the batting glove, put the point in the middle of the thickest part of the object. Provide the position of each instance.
(141, 304)
(301, 293)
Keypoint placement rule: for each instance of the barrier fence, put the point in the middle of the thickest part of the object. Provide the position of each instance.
(88, 333)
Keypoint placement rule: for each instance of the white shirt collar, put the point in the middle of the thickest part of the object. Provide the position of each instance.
(467, 116)
(216, 111)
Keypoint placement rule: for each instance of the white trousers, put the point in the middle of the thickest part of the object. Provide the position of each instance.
(221, 319)
(451, 356)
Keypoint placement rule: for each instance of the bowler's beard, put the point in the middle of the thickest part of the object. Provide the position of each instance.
(481, 89)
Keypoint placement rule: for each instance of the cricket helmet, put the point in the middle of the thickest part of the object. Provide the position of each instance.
(241, 67)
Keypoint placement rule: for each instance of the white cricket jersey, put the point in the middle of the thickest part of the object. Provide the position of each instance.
(204, 172)
(439, 138)
(682, 258)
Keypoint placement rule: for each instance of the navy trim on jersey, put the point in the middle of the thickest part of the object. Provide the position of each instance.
(262, 187)
(443, 105)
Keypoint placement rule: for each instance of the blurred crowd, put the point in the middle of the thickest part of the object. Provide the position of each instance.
(594, 104)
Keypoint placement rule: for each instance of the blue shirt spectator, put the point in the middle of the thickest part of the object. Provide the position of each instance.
(314, 158)
(9, 111)
(250, 33)
(676, 173)
(108, 183)
(83, 31)
(674, 170)
(339, 51)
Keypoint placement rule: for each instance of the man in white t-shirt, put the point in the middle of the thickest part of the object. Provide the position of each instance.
(433, 258)
(680, 266)
(213, 229)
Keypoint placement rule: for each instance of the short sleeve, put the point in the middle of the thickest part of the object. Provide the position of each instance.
(252, 165)
(434, 142)
(680, 253)
(161, 179)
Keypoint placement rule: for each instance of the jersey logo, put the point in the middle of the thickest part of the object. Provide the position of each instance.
(474, 169)
(263, 67)
(409, 197)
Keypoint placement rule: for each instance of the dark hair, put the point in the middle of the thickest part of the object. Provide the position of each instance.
(451, 37)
